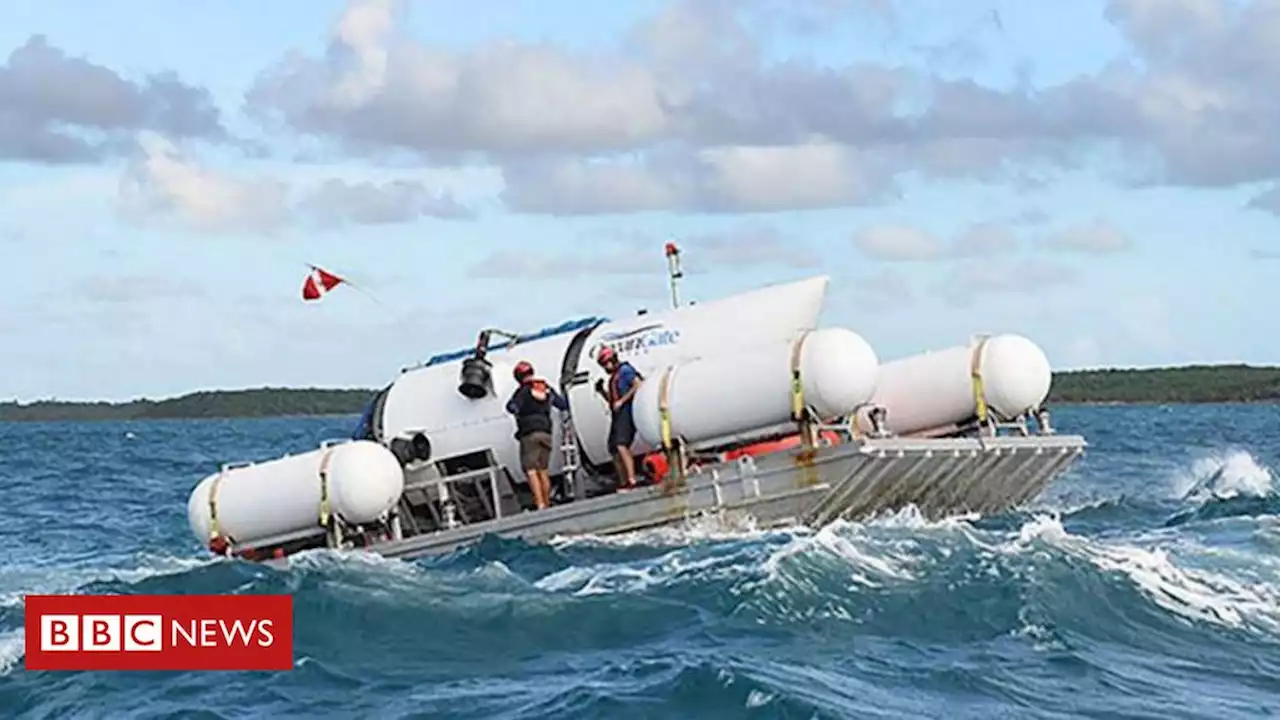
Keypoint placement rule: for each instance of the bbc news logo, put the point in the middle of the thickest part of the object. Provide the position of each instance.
(145, 633)
(159, 632)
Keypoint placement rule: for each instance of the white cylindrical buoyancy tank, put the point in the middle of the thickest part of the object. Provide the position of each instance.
(758, 318)
(282, 496)
(750, 389)
(935, 389)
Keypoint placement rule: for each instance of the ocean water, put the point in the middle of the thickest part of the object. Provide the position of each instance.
(1143, 584)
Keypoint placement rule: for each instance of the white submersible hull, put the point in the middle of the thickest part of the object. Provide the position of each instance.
(746, 408)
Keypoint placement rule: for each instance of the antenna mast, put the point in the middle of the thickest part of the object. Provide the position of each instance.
(675, 273)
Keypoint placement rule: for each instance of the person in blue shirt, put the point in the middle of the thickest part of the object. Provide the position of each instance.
(531, 403)
(619, 393)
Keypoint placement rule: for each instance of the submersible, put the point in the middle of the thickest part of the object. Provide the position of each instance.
(747, 408)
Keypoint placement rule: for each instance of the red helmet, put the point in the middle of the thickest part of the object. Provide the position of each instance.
(606, 354)
(522, 370)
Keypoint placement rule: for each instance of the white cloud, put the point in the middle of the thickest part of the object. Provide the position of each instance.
(810, 175)
(984, 240)
(64, 109)
(363, 32)
(710, 122)
(130, 288)
(716, 179)
(568, 186)
(746, 245)
(163, 181)
(1030, 216)
(969, 281)
(622, 253)
(1096, 238)
(376, 86)
(907, 243)
(367, 203)
(689, 111)
(534, 265)
(898, 243)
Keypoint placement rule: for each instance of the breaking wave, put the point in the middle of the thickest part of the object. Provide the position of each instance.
(1144, 589)
(657, 608)
(1226, 485)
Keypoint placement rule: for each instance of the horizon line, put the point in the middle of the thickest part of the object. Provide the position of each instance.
(374, 388)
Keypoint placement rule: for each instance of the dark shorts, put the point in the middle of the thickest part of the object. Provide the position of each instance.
(535, 451)
(622, 431)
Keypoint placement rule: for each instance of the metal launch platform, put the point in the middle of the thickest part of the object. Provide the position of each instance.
(851, 481)
(857, 478)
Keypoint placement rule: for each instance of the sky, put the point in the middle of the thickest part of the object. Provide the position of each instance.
(1099, 176)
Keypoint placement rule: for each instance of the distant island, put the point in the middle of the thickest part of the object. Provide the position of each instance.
(260, 402)
(1188, 384)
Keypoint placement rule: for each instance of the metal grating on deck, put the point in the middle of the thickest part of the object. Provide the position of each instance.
(946, 477)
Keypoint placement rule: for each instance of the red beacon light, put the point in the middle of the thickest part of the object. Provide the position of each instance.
(672, 249)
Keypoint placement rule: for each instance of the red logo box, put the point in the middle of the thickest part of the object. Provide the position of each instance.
(159, 632)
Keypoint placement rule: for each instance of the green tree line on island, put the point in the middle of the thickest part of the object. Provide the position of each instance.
(1189, 384)
(261, 402)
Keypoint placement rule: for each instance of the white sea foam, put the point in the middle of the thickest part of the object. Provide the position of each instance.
(715, 526)
(12, 650)
(1225, 474)
(1168, 580)
(38, 579)
(673, 567)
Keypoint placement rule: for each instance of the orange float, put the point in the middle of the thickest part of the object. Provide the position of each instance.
(769, 447)
(656, 466)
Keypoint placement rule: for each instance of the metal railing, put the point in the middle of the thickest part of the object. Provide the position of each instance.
(442, 485)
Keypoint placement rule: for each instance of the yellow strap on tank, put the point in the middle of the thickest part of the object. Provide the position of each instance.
(324, 487)
(215, 531)
(975, 374)
(797, 385)
(664, 408)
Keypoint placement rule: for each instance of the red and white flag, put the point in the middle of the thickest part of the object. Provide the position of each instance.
(319, 282)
